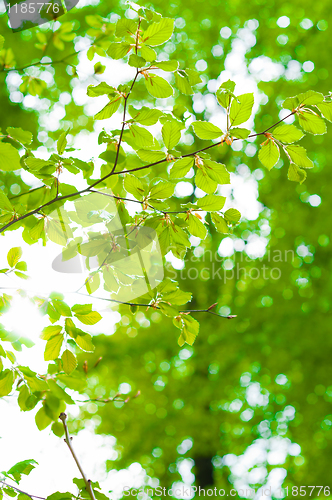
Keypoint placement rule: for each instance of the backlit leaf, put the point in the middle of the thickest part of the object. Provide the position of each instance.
(158, 33)
(269, 154)
(312, 123)
(240, 111)
(171, 132)
(9, 157)
(158, 87)
(287, 133)
(206, 130)
(53, 348)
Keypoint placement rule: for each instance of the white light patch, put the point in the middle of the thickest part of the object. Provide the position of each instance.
(314, 200)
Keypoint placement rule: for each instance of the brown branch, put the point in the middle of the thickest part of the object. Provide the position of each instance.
(116, 398)
(63, 418)
(21, 491)
(154, 306)
(39, 63)
(89, 188)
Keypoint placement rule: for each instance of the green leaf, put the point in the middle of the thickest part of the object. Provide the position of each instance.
(2, 41)
(326, 109)
(24, 467)
(310, 97)
(168, 310)
(69, 361)
(189, 331)
(21, 266)
(148, 53)
(220, 223)
(125, 27)
(58, 232)
(217, 172)
(37, 230)
(166, 65)
(85, 342)
(14, 256)
(150, 156)
(211, 203)
(53, 348)
(59, 431)
(9, 157)
(171, 132)
(62, 142)
(239, 133)
(5, 203)
(287, 133)
(306, 99)
(204, 181)
(93, 283)
(196, 227)
(35, 383)
(142, 137)
(82, 308)
(232, 215)
(117, 50)
(6, 382)
(58, 495)
(161, 190)
(20, 135)
(225, 93)
(101, 89)
(90, 318)
(240, 111)
(59, 393)
(193, 76)
(134, 186)
(42, 419)
(21, 275)
(206, 130)
(50, 331)
(177, 297)
(136, 61)
(312, 123)
(296, 173)
(269, 154)
(72, 382)
(158, 87)
(182, 83)
(181, 167)
(158, 33)
(145, 116)
(298, 155)
(61, 307)
(109, 109)
(37, 163)
(23, 397)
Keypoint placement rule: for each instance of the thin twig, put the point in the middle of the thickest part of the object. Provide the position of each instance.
(21, 491)
(155, 306)
(63, 418)
(40, 63)
(89, 188)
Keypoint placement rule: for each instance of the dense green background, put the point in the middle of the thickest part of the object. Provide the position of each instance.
(283, 326)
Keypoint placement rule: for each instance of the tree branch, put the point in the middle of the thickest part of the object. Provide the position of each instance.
(21, 491)
(63, 418)
(154, 306)
(89, 188)
(40, 63)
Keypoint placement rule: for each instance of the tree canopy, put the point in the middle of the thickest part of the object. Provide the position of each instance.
(164, 170)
